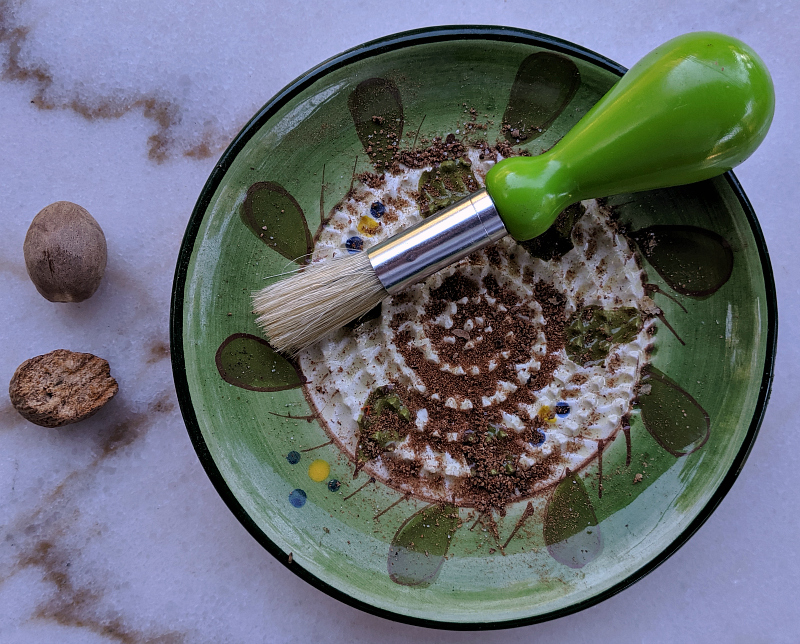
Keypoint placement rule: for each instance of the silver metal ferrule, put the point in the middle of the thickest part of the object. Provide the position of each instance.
(438, 241)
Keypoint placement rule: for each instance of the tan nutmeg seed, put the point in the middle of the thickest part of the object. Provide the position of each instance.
(65, 252)
(61, 387)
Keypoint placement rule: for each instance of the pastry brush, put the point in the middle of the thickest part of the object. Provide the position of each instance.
(691, 109)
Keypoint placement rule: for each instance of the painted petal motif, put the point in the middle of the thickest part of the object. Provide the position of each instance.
(592, 331)
(544, 85)
(418, 549)
(671, 415)
(693, 261)
(248, 361)
(377, 110)
(378, 429)
(557, 240)
(445, 185)
(275, 217)
(571, 532)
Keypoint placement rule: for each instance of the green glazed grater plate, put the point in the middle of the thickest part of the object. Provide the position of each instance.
(273, 462)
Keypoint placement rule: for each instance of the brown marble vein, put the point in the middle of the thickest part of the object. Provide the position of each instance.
(41, 538)
(159, 350)
(165, 113)
(76, 606)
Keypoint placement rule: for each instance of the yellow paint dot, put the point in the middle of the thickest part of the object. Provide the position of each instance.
(546, 414)
(319, 470)
(368, 226)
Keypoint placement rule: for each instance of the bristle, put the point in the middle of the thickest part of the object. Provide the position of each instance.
(299, 310)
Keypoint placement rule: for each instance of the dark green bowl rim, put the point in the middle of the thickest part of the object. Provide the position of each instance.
(380, 46)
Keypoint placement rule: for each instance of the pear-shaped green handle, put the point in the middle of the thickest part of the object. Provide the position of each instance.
(691, 109)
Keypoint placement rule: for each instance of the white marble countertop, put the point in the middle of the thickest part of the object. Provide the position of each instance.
(110, 530)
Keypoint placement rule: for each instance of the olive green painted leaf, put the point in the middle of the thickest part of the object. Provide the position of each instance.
(571, 531)
(275, 217)
(417, 551)
(693, 261)
(672, 416)
(248, 361)
(557, 240)
(544, 85)
(591, 332)
(445, 185)
(377, 110)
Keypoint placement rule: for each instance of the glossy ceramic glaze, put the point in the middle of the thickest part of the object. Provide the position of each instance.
(647, 132)
(358, 540)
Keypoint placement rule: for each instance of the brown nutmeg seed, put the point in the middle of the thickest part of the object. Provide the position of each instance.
(65, 252)
(61, 387)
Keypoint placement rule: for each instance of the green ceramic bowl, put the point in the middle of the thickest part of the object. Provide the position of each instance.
(273, 463)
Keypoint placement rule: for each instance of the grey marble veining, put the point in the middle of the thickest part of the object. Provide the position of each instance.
(110, 530)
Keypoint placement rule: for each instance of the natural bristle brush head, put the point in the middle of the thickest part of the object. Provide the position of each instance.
(299, 310)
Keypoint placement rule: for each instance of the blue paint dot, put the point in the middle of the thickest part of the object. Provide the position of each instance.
(354, 244)
(377, 209)
(334, 485)
(297, 498)
(293, 457)
(538, 438)
(562, 409)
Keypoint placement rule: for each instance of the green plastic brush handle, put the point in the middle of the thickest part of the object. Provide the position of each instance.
(691, 109)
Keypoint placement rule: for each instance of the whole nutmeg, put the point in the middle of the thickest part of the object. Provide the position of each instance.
(65, 252)
(61, 387)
